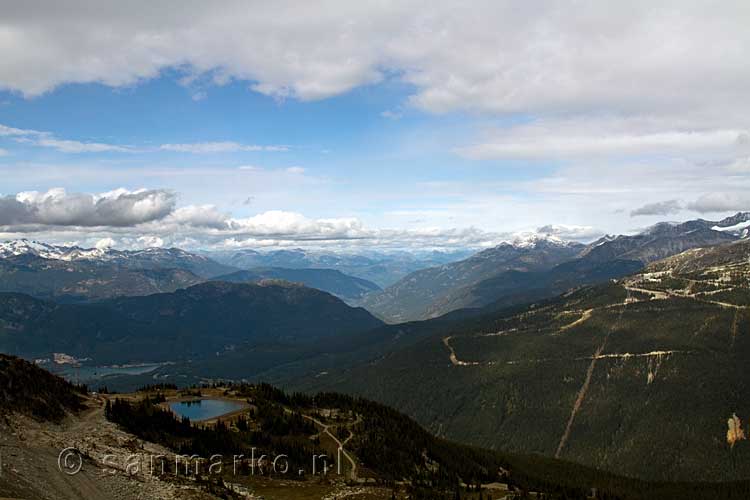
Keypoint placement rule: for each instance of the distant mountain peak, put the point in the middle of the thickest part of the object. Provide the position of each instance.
(530, 239)
(737, 224)
(24, 246)
(147, 258)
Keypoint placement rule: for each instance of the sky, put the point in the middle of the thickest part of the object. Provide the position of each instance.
(352, 125)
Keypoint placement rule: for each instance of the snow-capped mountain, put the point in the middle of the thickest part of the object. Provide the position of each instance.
(533, 239)
(738, 225)
(39, 249)
(149, 258)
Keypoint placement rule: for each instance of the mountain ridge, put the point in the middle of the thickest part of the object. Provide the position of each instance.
(329, 280)
(610, 257)
(191, 323)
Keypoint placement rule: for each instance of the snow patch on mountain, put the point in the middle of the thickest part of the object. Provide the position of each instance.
(735, 228)
(75, 253)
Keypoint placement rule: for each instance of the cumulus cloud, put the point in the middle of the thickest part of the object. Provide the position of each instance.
(105, 243)
(150, 218)
(218, 147)
(721, 202)
(150, 241)
(57, 207)
(278, 223)
(668, 207)
(207, 216)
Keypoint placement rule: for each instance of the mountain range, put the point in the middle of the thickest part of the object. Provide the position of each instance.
(74, 274)
(148, 258)
(418, 295)
(382, 268)
(524, 271)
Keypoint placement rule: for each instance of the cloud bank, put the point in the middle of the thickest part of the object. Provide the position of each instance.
(498, 56)
(150, 217)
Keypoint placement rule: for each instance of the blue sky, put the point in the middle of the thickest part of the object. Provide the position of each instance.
(372, 125)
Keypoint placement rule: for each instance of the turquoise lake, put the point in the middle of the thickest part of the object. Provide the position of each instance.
(204, 409)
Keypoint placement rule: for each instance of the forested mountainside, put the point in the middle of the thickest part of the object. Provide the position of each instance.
(415, 296)
(637, 376)
(330, 445)
(191, 323)
(82, 281)
(328, 280)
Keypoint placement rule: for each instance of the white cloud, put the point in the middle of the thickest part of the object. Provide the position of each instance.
(739, 166)
(391, 115)
(67, 146)
(497, 56)
(105, 243)
(218, 147)
(285, 224)
(295, 170)
(207, 216)
(6, 131)
(57, 207)
(570, 232)
(602, 136)
(145, 218)
(3, 152)
(150, 241)
(47, 140)
(721, 202)
(668, 207)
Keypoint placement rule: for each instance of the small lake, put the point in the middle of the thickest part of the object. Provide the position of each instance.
(204, 409)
